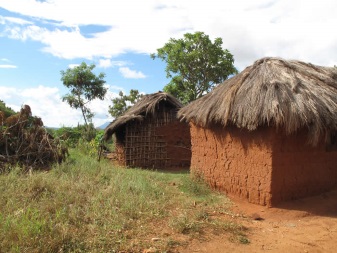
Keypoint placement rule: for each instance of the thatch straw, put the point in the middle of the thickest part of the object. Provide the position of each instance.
(146, 106)
(274, 92)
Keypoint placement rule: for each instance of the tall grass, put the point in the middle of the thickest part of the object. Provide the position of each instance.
(87, 206)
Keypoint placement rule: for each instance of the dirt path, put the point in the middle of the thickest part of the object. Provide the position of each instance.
(307, 225)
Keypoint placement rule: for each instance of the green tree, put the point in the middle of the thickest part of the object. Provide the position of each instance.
(195, 64)
(6, 110)
(122, 103)
(84, 87)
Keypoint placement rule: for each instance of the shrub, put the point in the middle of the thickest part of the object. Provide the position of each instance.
(70, 135)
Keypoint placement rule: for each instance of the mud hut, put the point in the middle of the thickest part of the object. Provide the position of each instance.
(149, 135)
(268, 134)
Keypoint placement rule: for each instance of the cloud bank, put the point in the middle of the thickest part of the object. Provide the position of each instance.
(249, 29)
(53, 109)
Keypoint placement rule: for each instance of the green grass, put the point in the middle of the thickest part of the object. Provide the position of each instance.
(86, 206)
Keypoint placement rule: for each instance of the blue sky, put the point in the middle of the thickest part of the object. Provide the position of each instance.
(38, 39)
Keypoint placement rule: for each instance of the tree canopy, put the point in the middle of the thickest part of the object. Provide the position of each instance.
(195, 64)
(84, 87)
(6, 110)
(122, 103)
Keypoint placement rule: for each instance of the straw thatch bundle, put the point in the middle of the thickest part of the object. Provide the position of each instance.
(24, 141)
(273, 92)
(147, 105)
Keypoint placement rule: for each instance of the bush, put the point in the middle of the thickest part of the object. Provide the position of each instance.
(72, 135)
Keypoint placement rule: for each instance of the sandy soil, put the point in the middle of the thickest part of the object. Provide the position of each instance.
(306, 225)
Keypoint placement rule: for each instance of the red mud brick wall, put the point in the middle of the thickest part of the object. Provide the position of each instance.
(299, 169)
(235, 161)
(178, 140)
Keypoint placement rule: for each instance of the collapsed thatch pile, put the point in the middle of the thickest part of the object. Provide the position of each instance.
(147, 105)
(24, 141)
(275, 92)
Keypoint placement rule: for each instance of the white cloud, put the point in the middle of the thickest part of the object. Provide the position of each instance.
(104, 63)
(7, 66)
(74, 65)
(132, 29)
(18, 21)
(128, 73)
(46, 102)
(107, 63)
(250, 29)
(40, 92)
(7, 92)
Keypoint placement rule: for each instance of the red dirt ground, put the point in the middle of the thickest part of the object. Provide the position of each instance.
(306, 225)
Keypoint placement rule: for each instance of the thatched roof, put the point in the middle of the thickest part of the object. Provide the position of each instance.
(146, 106)
(275, 92)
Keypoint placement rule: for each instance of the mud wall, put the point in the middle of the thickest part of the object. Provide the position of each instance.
(264, 166)
(299, 169)
(235, 161)
(177, 138)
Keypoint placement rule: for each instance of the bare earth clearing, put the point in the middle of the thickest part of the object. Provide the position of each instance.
(306, 225)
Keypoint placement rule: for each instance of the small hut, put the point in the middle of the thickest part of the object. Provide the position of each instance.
(149, 135)
(268, 134)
